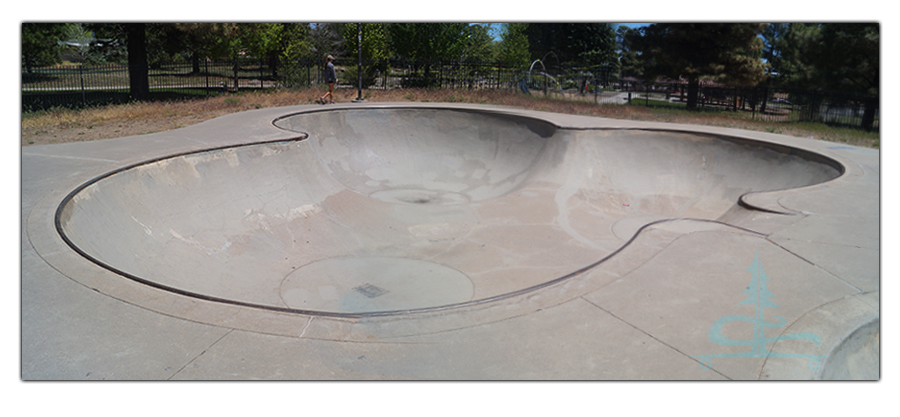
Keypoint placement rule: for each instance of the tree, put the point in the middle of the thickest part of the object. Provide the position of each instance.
(833, 56)
(295, 45)
(138, 72)
(78, 41)
(443, 41)
(326, 40)
(842, 57)
(41, 44)
(786, 47)
(574, 44)
(629, 63)
(198, 41)
(428, 42)
(273, 41)
(846, 57)
(481, 45)
(113, 46)
(773, 36)
(374, 48)
(721, 52)
(135, 35)
(514, 45)
(294, 41)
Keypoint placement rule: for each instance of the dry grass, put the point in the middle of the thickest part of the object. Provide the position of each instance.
(60, 126)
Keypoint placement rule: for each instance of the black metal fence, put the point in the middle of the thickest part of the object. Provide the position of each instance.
(776, 104)
(79, 86)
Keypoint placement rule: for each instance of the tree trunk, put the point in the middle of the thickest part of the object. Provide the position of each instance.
(273, 62)
(868, 121)
(764, 98)
(195, 63)
(138, 74)
(693, 92)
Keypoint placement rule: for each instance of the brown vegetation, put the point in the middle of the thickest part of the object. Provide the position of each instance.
(61, 126)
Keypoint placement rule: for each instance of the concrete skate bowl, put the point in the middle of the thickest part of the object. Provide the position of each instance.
(386, 211)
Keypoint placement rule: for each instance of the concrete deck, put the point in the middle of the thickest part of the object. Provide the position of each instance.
(532, 246)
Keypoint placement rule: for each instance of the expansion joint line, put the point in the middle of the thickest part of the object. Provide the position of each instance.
(814, 264)
(199, 355)
(652, 337)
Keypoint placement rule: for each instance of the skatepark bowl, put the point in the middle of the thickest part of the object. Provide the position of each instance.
(353, 214)
(387, 211)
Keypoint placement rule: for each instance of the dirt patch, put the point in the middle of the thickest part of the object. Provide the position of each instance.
(56, 134)
(63, 126)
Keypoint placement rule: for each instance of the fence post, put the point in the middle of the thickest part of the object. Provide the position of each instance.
(206, 68)
(234, 67)
(754, 100)
(869, 110)
(763, 100)
(81, 75)
(734, 100)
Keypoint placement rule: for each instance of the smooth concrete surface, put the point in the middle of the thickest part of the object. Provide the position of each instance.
(439, 241)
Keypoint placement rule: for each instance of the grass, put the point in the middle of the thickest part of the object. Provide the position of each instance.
(62, 125)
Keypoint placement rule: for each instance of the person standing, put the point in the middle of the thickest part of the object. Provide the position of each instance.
(330, 79)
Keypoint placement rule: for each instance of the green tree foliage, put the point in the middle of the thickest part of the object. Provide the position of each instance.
(441, 41)
(773, 36)
(205, 40)
(832, 56)
(513, 48)
(113, 48)
(786, 52)
(847, 57)
(429, 42)
(374, 41)
(841, 57)
(326, 40)
(374, 49)
(295, 41)
(273, 41)
(78, 40)
(722, 52)
(41, 44)
(481, 46)
(260, 39)
(629, 63)
(574, 44)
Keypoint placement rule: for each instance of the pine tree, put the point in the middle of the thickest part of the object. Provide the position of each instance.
(721, 52)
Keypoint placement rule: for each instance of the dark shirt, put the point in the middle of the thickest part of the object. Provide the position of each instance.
(330, 75)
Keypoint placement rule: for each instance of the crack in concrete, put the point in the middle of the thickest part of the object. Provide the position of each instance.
(859, 290)
(199, 355)
(654, 337)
